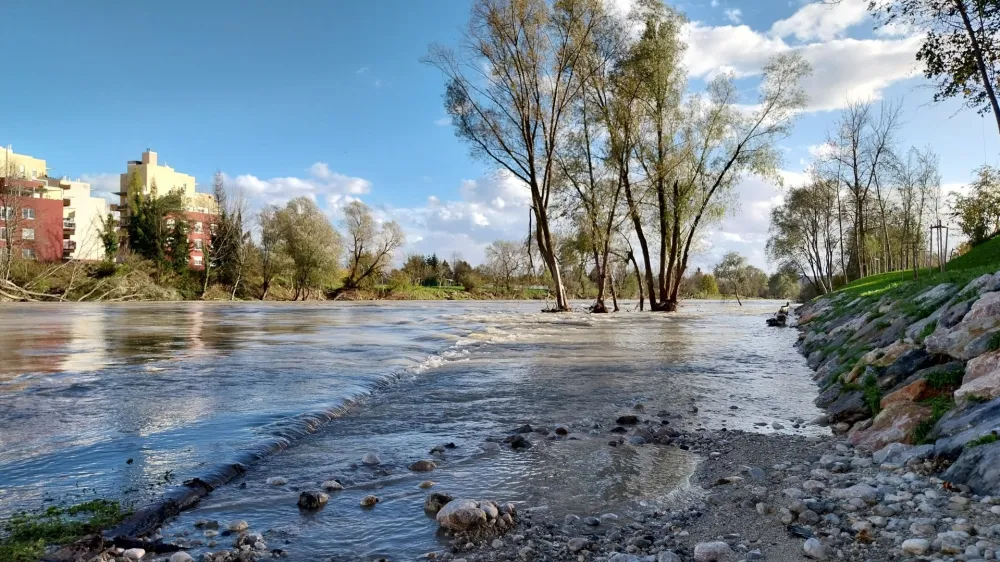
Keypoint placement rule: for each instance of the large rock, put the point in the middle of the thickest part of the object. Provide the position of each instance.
(916, 391)
(313, 500)
(461, 515)
(953, 314)
(436, 500)
(970, 337)
(906, 364)
(900, 453)
(893, 424)
(849, 408)
(958, 427)
(829, 396)
(982, 378)
(935, 295)
(978, 468)
(882, 357)
(716, 551)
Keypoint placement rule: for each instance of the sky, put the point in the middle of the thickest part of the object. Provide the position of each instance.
(329, 99)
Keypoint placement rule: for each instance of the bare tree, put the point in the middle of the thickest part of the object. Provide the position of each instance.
(270, 251)
(370, 247)
(509, 93)
(505, 261)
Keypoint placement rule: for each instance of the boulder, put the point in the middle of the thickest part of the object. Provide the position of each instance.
(849, 408)
(978, 468)
(881, 357)
(181, 557)
(985, 283)
(906, 364)
(423, 466)
(277, 481)
(982, 378)
(313, 500)
(627, 420)
(369, 501)
(436, 500)
(461, 515)
(916, 547)
(891, 425)
(901, 453)
(332, 486)
(134, 553)
(716, 551)
(815, 550)
(828, 396)
(916, 391)
(371, 459)
(953, 314)
(936, 295)
(956, 428)
(517, 441)
(970, 337)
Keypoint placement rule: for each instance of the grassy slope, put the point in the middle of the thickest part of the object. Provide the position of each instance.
(984, 258)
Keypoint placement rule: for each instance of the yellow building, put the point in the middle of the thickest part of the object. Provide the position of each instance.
(21, 166)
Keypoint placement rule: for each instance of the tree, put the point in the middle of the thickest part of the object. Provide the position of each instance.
(715, 143)
(733, 274)
(311, 243)
(510, 92)
(370, 247)
(505, 261)
(271, 255)
(177, 247)
(11, 198)
(978, 213)
(148, 227)
(802, 237)
(415, 269)
(110, 238)
(783, 284)
(960, 46)
(227, 247)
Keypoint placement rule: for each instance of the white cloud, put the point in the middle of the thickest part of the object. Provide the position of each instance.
(734, 15)
(843, 69)
(378, 83)
(822, 20)
(322, 185)
(715, 3)
(443, 122)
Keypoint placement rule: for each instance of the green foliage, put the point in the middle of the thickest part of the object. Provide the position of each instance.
(27, 534)
(946, 379)
(940, 406)
(976, 399)
(927, 330)
(873, 394)
(146, 225)
(110, 239)
(978, 213)
(991, 437)
(994, 343)
(178, 246)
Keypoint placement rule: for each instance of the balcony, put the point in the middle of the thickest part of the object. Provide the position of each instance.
(67, 202)
(69, 247)
(69, 225)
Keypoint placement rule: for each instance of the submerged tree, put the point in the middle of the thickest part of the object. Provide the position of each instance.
(509, 93)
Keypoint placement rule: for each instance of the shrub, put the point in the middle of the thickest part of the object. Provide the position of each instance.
(928, 330)
(991, 437)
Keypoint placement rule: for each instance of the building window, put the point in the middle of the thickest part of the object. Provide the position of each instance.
(197, 261)
(199, 244)
(27, 213)
(198, 228)
(170, 223)
(34, 174)
(213, 228)
(3, 233)
(20, 169)
(6, 213)
(28, 233)
(28, 253)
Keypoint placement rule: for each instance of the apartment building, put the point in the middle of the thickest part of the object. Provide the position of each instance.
(83, 216)
(35, 211)
(200, 208)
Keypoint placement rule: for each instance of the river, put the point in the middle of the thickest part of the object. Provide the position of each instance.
(127, 400)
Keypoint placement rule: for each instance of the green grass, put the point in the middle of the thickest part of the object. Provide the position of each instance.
(994, 343)
(26, 535)
(951, 378)
(928, 330)
(984, 258)
(940, 406)
(873, 394)
(984, 440)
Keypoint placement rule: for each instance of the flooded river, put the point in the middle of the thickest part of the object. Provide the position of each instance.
(126, 401)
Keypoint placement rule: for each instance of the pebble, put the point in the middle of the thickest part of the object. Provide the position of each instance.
(134, 553)
(716, 551)
(181, 557)
(816, 550)
(332, 486)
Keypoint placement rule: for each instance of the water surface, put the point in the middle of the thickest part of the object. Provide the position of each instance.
(125, 400)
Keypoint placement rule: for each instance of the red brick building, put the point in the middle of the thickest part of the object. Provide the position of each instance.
(33, 222)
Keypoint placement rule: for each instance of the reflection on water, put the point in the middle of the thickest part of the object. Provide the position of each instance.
(125, 399)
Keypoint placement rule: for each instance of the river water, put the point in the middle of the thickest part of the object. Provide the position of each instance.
(128, 400)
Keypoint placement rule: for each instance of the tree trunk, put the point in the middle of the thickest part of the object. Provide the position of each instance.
(637, 223)
(638, 278)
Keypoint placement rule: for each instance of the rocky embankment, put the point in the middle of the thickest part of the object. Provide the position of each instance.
(919, 373)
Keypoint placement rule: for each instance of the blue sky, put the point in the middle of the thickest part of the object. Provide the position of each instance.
(330, 99)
